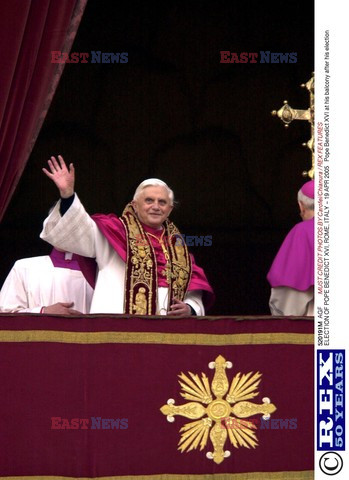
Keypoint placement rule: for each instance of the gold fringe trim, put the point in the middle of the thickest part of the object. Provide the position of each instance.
(156, 338)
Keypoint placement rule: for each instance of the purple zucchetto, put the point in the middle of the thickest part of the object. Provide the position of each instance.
(308, 189)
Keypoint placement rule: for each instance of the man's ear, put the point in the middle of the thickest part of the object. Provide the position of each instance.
(301, 208)
(134, 203)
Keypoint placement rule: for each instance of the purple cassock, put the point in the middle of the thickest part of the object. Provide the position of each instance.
(87, 266)
(293, 265)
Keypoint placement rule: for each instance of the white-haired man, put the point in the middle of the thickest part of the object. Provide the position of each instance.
(291, 275)
(142, 267)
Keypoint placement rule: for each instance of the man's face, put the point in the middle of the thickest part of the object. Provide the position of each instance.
(153, 206)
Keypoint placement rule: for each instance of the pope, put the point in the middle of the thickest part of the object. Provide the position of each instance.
(144, 267)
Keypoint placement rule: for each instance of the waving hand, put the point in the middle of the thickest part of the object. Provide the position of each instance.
(61, 175)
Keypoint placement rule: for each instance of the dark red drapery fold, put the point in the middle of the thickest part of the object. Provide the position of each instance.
(29, 31)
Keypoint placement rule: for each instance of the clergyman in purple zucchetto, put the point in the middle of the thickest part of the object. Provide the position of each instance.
(291, 275)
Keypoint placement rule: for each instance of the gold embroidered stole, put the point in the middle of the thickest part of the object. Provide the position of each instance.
(141, 280)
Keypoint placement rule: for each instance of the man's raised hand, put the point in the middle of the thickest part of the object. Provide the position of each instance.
(63, 177)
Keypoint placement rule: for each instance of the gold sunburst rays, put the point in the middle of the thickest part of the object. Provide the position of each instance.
(243, 387)
(195, 433)
(243, 436)
(196, 389)
(218, 418)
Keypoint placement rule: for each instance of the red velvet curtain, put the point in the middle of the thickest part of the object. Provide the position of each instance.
(29, 31)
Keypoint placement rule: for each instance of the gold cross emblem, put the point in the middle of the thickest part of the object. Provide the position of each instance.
(215, 417)
(287, 114)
